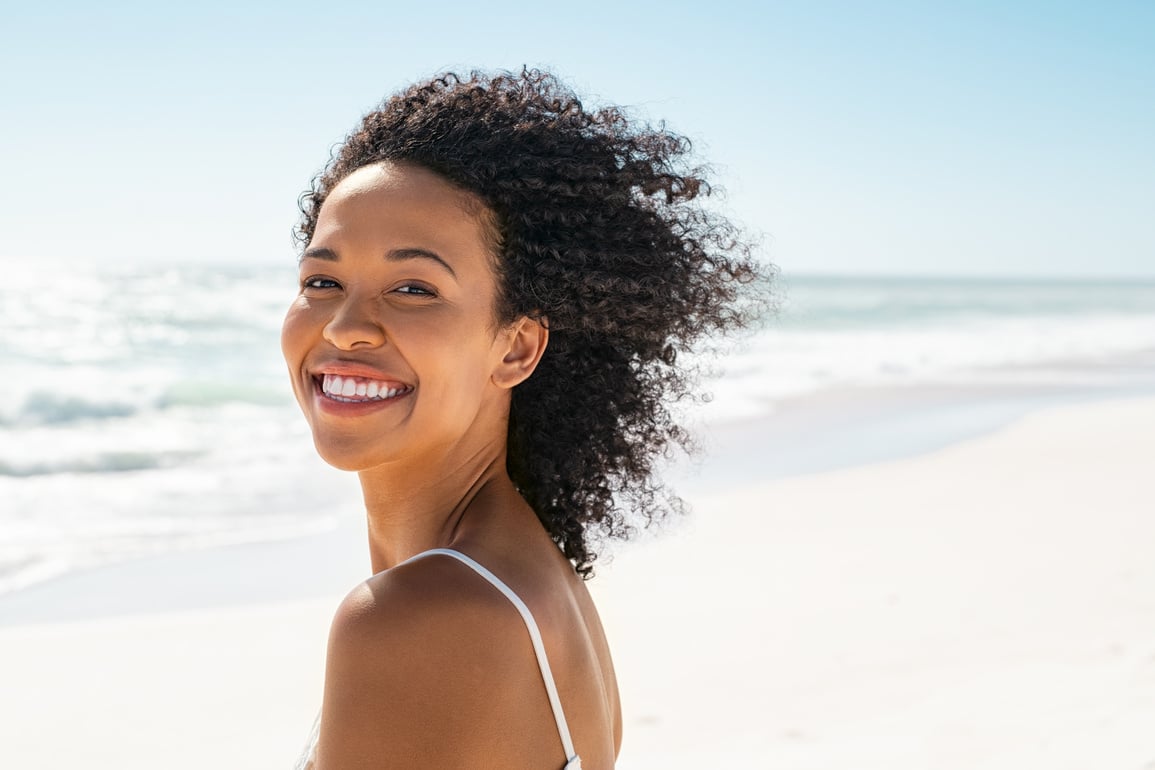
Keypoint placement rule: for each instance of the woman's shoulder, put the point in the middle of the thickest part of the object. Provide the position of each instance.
(420, 652)
(420, 598)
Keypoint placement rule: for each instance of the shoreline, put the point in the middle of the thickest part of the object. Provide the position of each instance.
(827, 431)
(852, 426)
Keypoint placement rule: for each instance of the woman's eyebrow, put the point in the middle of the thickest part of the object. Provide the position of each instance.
(393, 255)
(399, 255)
(319, 253)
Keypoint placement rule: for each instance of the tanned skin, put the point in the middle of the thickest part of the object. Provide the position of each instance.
(429, 666)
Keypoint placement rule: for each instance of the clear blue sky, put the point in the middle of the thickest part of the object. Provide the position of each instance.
(885, 137)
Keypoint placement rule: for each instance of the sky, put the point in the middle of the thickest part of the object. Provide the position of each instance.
(970, 138)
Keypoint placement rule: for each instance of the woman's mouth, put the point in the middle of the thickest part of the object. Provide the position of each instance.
(355, 390)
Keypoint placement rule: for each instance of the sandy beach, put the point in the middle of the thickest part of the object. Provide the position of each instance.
(889, 266)
(984, 604)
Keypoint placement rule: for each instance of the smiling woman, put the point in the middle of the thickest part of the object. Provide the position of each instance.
(397, 294)
(495, 289)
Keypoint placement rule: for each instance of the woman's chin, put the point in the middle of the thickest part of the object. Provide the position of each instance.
(344, 457)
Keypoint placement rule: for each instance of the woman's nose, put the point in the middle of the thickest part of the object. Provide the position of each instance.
(355, 324)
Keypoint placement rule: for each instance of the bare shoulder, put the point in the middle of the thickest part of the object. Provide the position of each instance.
(424, 597)
(428, 666)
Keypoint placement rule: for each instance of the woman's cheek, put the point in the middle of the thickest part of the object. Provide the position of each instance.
(289, 333)
(294, 342)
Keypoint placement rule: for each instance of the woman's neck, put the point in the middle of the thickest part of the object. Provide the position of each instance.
(410, 510)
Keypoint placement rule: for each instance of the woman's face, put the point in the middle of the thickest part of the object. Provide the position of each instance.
(392, 344)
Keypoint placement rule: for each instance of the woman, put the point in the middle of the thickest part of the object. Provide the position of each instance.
(496, 285)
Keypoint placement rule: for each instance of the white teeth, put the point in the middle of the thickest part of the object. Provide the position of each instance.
(349, 388)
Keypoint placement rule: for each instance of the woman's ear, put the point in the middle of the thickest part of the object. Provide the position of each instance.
(526, 340)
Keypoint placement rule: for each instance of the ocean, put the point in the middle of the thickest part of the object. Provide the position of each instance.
(146, 409)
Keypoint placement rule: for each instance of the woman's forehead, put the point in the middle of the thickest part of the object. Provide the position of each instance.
(391, 179)
(388, 206)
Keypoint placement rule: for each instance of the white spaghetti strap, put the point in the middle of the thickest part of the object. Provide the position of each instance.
(573, 762)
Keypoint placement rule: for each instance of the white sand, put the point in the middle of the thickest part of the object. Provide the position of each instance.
(990, 605)
(228, 688)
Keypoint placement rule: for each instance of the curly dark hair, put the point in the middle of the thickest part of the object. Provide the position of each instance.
(600, 232)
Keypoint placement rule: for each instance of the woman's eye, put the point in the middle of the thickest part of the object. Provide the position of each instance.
(317, 282)
(416, 290)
